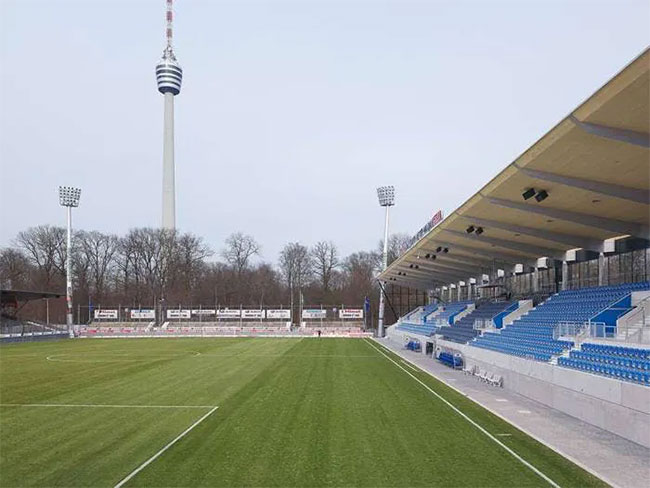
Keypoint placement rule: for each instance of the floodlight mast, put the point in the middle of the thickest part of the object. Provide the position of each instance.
(69, 198)
(386, 195)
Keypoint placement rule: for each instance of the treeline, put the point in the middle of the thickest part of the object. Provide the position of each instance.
(148, 265)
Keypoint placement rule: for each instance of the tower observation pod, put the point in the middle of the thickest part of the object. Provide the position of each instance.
(169, 76)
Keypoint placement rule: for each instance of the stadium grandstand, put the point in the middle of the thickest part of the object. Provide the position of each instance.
(517, 352)
(328, 321)
(14, 328)
(542, 277)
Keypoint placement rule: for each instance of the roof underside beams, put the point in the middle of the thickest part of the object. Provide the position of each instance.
(618, 191)
(624, 135)
(565, 239)
(487, 254)
(612, 225)
(525, 249)
(590, 181)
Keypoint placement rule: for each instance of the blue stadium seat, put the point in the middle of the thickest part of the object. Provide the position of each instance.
(532, 335)
(462, 331)
(450, 360)
(623, 363)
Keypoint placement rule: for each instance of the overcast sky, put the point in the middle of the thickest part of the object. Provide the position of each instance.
(291, 113)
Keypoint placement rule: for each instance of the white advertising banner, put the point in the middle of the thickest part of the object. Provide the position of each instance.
(351, 313)
(314, 313)
(106, 314)
(174, 313)
(143, 314)
(252, 314)
(204, 311)
(278, 314)
(228, 313)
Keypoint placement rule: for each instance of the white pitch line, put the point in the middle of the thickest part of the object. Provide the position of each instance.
(407, 364)
(94, 405)
(205, 355)
(170, 444)
(475, 424)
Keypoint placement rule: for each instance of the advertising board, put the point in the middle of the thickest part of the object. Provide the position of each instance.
(314, 313)
(278, 314)
(105, 314)
(143, 314)
(229, 313)
(252, 314)
(351, 313)
(174, 313)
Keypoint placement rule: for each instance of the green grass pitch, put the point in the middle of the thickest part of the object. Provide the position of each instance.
(291, 412)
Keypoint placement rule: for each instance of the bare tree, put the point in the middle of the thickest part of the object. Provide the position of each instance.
(15, 269)
(397, 244)
(45, 246)
(295, 267)
(99, 252)
(295, 264)
(147, 264)
(360, 269)
(239, 249)
(325, 260)
(191, 253)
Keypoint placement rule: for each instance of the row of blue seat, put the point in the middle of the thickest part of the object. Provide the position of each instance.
(524, 352)
(536, 329)
(426, 330)
(540, 346)
(451, 310)
(613, 350)
(550, 342)
(633, 363)
(618, 372)
(463, 331)
(519, 330)
(640, 285)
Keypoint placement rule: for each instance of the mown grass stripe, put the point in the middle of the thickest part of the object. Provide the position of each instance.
(159, 453)
(468, 419)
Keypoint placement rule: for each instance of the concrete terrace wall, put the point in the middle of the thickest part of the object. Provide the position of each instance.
(616, 406)
(524, 307)
(400, 337)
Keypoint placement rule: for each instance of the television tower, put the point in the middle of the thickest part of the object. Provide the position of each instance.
(169, 76)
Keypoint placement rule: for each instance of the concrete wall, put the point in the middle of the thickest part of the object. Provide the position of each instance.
(401, 337)
(639, 296)
(470, 308)
(524, 308)
(616, 406)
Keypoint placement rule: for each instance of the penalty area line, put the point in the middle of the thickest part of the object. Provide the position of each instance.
(94, 405)
(466, 417)
(167, 446)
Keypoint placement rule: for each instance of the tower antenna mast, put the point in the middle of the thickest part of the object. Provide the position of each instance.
(169, 76)
(170, 27)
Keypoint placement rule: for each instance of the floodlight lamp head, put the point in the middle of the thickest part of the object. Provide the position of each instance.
(69, 196)
(386, 195)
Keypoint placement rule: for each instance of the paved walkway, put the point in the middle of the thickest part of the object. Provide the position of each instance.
(617, 461)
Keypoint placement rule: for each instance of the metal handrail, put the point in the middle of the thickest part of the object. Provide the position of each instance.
(610, 305)
(639, 309)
